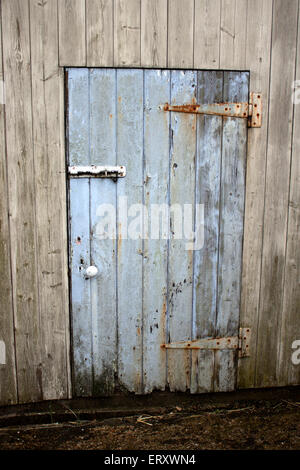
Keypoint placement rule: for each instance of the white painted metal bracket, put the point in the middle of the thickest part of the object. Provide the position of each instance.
(240, 343)
(97, 171)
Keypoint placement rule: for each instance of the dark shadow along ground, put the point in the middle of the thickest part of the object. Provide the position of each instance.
(240, 425)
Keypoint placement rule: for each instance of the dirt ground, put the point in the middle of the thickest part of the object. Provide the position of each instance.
(252, 425)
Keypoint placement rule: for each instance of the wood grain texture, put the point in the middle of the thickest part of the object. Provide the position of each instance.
(233, 34)
(8, 383)
(64, 228)
(288, 373)
(243, 41)
(130, 104)
(207, 34)
(79, 237)
(82, 338)
(103, 121)
(99, 32)
(208, 179)
(234, 145)
(22, 198)
(259, 26)
(154, 33)
(180, 33)
(284, 32)
(156, 191)
(127, 33)
(47, 82)
(72, 32)
(182, 187)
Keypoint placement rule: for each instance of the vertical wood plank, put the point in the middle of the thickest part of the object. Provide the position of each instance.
(21, 182)
(8, 385)
(79, 154)
(130, 250)
(182, 187)
(62, 102)
(127, 33)
(49, 163)
(180, 33)
(208, 175)
(289, 373)
(81, 288)
(99, 31)
(154, 26)
(234, 145)
(258, 44)
(207, 34)
(233, 34)
(284, 33)
(72, 32)
(103, 250)
(156, 190)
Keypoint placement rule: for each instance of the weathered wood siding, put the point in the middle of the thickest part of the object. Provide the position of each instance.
(39, 38)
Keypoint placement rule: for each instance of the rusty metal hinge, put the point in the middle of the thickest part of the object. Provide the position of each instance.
(97, 171)
(251, 111)
(239, 343)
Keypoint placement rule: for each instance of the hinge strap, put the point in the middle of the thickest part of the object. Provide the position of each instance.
(239, 343)
(250, 111)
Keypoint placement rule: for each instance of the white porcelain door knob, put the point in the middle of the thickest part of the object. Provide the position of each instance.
(91, 271)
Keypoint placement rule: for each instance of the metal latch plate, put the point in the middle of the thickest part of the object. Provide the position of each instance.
(97, 171)
(244, 342)
(255, 110)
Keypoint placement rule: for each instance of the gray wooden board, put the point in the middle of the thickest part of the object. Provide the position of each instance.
(72, 32)
(130, 104)
(259, 30)
(103, 251)
(21, 193)
(207, 33)
(8, 385)
(78, 125)
(49, 165)
(289, 371)
(127, 33)
(182, 188)
(154, 33)
(208, 175)
(234, 145)
(233, 31)
(180, 33)
(156, 191)
(284, 34)
(99, 33)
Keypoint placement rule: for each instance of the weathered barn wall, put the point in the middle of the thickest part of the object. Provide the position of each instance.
(39, 38)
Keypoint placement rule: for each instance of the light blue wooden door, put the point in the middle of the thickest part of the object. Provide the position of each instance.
(152, 290)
